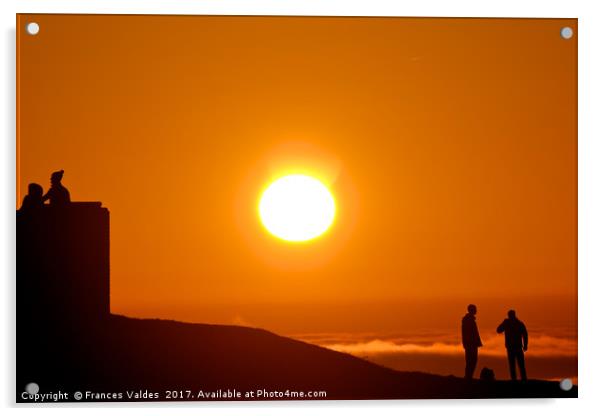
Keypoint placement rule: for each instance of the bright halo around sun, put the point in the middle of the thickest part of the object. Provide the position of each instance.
(297, 208)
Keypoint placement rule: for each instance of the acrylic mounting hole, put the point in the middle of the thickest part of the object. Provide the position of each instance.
(566, 32)
(32, 388)
(33, 28)
(566, 384)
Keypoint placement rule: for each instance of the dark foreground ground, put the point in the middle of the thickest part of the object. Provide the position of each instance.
(125, 359)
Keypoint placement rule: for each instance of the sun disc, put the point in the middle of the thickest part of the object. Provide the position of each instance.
(297, 208)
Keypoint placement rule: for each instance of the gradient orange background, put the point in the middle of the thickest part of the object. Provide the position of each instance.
(450, 146)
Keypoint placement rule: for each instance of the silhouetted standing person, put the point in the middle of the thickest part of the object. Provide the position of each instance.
(57, 194)
(471, 341)
(33, 200)
(517, 341)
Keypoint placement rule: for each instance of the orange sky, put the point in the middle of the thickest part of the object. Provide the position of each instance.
(450, 146)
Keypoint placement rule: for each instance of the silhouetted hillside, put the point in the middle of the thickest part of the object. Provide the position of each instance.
(157, 355)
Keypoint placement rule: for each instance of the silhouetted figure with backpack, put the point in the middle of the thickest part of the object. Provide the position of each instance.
(33, 200)
(57, 194)
(517, 341)
(471, 341)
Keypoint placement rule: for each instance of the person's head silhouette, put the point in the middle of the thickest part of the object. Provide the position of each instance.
(35, 191)
(512, 314)
(472, 309)
(56, 177)
(34, 198)
(57, 194)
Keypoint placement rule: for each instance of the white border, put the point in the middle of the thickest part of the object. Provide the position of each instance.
(509, 8)
(590, 186)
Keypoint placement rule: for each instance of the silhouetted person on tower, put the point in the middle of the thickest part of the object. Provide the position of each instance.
(471, 341)
(33, 200)
(517, 341)
(57, 194)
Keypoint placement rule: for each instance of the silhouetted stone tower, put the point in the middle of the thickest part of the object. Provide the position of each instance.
(63, 265)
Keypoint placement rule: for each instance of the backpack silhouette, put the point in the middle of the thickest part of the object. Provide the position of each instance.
(487, 374)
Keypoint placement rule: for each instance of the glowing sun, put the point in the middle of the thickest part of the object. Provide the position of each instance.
(297, 208)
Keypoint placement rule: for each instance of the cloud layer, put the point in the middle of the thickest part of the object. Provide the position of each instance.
(550, 356)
